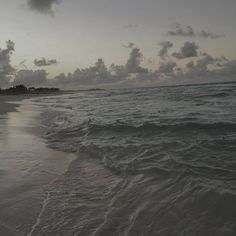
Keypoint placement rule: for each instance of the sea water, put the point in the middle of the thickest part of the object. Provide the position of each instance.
(150, 161)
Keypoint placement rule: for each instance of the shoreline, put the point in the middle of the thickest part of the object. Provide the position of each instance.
(27, 165)
(7, 101)
(7, 105)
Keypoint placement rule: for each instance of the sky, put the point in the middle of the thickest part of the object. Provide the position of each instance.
(145, 41)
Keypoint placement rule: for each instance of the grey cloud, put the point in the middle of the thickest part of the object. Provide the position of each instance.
(228, 69)
(100, 74)
(134, 61)
(130, 74)
(166, 45)
(221, 61)
(101, 70)
(44, 62)
(6, 68)
(203, 63)
(22, 64)
(10, 45)
(93, 75)
(201, 70)
(190, 49)
(167, 67)
(190, 65)
(31, 78)
(207, 34)
(119, 71)
(43, 6)
(188, 31)
(178, 30)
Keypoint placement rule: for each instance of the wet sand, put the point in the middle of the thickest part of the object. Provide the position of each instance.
(6, 107)
(27, 167)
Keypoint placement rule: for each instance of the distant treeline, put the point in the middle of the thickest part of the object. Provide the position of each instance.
(21, 89)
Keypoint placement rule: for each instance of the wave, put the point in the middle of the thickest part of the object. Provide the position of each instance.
(138, 170)
(189, 126)
(217, 95)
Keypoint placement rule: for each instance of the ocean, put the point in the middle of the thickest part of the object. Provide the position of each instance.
(149, 161)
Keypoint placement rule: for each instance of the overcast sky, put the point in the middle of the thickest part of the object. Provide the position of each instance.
(71, 34)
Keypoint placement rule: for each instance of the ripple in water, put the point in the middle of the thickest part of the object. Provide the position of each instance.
(157, 161)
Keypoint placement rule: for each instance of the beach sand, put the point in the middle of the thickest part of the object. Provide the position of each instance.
(5, 106)
(27, 166)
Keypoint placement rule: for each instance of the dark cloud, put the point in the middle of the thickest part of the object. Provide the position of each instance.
(188, 31)
(190, 49)
(134, 61)
(101, 70)
(178, 30)
(6, 68)
(43, 6)
(44, 62)
(167, 67)
(166, 45)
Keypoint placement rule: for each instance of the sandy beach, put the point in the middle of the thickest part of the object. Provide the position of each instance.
(5, 106)
(27, 166)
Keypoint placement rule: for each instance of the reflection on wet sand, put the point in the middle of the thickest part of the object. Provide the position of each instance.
(27, 166)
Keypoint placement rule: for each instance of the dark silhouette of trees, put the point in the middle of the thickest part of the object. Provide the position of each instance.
(21, 89)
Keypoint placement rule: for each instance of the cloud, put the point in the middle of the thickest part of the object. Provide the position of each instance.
(203, 63)
(6, 68)
(22, 64)
(129, 45)
(207, 69)
(178, 30)
(166, 45)
(167, 67)
(190, 49)
(227, 70)
(134, 61)
(31, 78)
(119, 71)
(201, 67)
(89, 76)
(44, 62)
(99, 74)
(43, 6)
(207, 34)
